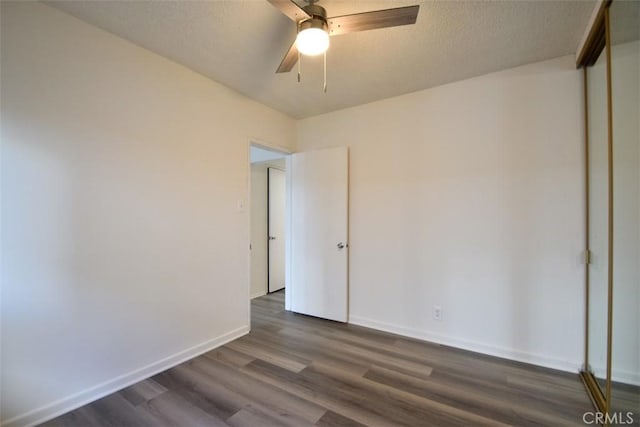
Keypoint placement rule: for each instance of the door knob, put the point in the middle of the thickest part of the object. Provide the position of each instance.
(341, 245)
(272, 237)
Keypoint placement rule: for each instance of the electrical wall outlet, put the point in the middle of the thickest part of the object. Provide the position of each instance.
(437, 312)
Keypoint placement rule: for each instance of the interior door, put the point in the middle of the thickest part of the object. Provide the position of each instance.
(276, 227)
(319, 220)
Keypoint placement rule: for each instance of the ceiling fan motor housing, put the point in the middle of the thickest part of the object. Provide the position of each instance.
(318, 18)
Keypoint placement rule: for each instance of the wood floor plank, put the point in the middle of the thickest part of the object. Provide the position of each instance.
(229, 355)
(201, 392)
(173, 410)
(454, 358)
(332, 419)
(295, 370)
(310, 351)
(142, 392)
(411, 408)
(253, 416)
(348, 405)
(86, 416)
(363, 401)
(357, 353)
(490, 405)
(260, 394)
(278, 358)
(115, 410)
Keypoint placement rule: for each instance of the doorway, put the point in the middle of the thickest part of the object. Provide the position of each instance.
(300, 230)
(267, 219)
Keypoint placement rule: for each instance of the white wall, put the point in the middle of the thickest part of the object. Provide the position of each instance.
(470, 196)
(123, 249)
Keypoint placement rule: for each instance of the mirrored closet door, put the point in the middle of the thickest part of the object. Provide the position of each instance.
(597, 208)
(624, 22)
(611, 62)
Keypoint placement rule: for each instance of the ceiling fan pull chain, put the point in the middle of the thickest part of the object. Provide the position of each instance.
(299, 66)
(325, 72)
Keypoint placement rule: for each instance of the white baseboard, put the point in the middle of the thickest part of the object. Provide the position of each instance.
(69, 403)
(503, 352)
(626, 377)
(618, 375)
(258, 294)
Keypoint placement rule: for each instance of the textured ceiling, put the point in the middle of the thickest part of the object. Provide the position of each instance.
(240, 43)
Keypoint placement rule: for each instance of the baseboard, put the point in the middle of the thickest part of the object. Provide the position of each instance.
(626, 377)
(618, 375)
(506, 353)
(89, 395)
(258, 294)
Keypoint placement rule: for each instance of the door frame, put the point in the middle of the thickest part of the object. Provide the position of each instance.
(286, 151)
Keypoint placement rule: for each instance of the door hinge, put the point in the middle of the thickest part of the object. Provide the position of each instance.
(587, 256)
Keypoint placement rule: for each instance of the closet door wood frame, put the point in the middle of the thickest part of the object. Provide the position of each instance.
(597, 39)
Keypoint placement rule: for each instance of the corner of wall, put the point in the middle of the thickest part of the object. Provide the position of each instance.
(69, 403)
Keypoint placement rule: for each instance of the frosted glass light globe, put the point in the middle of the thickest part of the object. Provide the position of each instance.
(312, 41)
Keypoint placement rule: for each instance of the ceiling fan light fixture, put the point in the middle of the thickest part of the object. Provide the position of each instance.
(313, 37)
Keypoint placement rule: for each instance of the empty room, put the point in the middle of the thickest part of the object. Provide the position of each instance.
(331, 213)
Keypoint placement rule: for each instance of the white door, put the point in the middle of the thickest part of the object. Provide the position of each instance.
(318, 252)
(276, 227)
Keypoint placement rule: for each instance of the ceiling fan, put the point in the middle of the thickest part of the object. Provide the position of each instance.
(314, 28)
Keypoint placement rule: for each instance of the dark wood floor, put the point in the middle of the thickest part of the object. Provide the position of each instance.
(295, 370)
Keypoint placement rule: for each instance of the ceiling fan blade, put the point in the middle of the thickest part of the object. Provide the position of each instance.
(290, 9)
(372, 20)
(289, 59)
